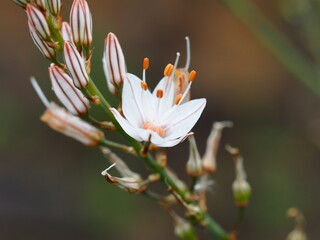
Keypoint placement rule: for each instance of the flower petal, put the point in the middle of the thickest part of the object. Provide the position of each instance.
(183, 117)
(127, 127)
(165, 142)
(167, 100)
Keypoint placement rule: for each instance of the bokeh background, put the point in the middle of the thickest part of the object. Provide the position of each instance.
(50, 185)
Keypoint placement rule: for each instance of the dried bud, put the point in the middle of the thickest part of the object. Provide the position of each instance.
(75, 65)
(81, 23)
(209, 162)
(54, 6)
(114, 63)
(131, 184)
(241, 188)
(62, 121)
(300, 222)
(21, 3)
(41, 4)
(71, 97)
(194, 164)
(38, 20)
(66, 32)
(46, 50)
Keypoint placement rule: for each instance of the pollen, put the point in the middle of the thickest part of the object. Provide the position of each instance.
(157, 129)
(168, 70)
(145, 63)
(178, 98)
(144, 85)
(192, 75)
(159, 93)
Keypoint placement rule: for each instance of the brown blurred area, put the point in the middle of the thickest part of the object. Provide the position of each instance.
(50, 185)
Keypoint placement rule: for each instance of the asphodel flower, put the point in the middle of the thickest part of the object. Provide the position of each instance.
(76, 65)
(37, 18)
(64, 122)
(156, 117)
(114, 63)
(46, 50)
(71, 97)
(81, 23)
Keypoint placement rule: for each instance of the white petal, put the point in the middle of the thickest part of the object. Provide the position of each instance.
(183, 118)
(164, 142)
(127, 127)
(167, 100)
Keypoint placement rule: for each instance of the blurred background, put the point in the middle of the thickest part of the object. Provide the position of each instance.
(51, 186)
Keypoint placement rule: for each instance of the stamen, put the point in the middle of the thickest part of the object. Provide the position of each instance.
(188, 53)
(175, 64)
(158, 129)
(192, 75)
(168, 70)
(39, 92)
(178, 98)
(159, 93)
(105, 171)
(145, 63)
(145, 67)
(144, 85)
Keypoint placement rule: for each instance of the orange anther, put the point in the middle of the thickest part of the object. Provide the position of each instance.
(159, 93)
(178, 98)
(168, 70)
(144, 85)
(145, 63)
(192, 75)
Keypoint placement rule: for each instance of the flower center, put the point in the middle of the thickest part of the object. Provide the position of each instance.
(158, 129)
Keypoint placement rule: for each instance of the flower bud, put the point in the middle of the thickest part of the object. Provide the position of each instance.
(75, 65)
(46, 50)
(41, 4)
(241, 188)
(81, 23)
(297, 235)
(21, 3)
(54, 7)
(194, 164)
(71, 97)
(66, 32)
(209, 162)
(182, 228)
(38, 20)
(241, 192)
(114, 63)
(62, 121)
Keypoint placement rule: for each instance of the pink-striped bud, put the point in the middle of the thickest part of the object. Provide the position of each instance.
(75, 65)
(71, 97)
(43, 46)
(114, 63)
(66, 32)
(54, 6)
(62, 121)
(39, 21)
(21, 3)
(41, 4)
(81, 23)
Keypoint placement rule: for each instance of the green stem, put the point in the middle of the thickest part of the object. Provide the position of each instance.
(239, 219)
(214, 228)
(285, 51)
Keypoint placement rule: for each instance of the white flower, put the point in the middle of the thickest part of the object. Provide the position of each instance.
(156, 117)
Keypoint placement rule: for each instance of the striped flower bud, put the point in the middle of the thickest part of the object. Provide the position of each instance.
(39, 21)
(71, 97)
(81, 23)
(72, 126)
(41, 4)
(75, 65)
(54, 6)
(21, 3)
(66, 32)
(114, 63)
(43, 46)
